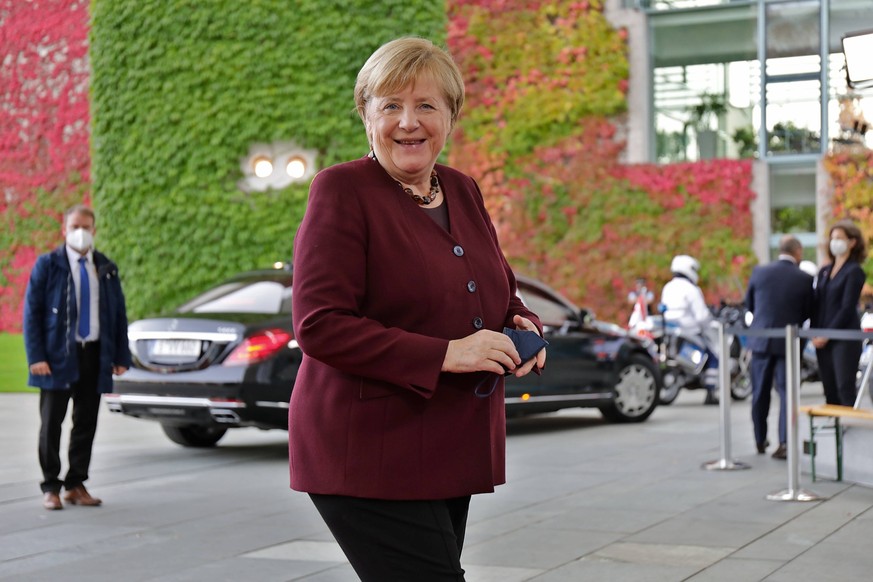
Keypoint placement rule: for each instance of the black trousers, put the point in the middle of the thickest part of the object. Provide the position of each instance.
(765, 369)
(53, 410)
(838, 370)
(398, 541)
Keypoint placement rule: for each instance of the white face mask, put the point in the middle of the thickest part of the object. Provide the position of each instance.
(80, 239)
(839, 247)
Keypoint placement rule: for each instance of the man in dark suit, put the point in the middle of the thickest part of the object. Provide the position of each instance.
(75, 336)
(779, 294)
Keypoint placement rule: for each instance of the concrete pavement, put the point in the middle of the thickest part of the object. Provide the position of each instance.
(585, 500)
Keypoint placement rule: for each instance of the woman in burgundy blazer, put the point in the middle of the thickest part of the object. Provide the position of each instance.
(401, 292)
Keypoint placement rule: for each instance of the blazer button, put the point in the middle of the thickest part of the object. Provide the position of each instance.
(458, 250)
(478, 323)
(471, 286)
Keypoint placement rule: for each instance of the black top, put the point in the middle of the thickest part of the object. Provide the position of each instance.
(439, 214)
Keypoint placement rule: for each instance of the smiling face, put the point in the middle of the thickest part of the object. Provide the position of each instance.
(408, 130)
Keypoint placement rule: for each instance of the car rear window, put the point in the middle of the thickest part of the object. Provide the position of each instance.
(242, 297)
(550, 312)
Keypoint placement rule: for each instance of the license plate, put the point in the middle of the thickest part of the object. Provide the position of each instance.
(176, 348)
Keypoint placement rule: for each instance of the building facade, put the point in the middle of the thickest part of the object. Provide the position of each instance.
(762, 79)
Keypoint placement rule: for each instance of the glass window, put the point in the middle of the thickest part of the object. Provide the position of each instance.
(793, 117)
(793, 30)
(252, 296)
(706, 111)
(792, 205)
(849, 109)
(551, 313)
(705, 81)
(673, 4)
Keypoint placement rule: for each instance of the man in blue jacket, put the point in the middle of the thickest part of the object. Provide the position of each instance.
(75, 336)
(779, 294)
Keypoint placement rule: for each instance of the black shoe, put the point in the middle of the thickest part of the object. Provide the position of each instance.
(781, 452)
(762, 447)
(711, 397)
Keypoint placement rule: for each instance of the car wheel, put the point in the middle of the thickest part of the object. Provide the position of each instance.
(636, 393)
(670, 390)
(194, 436)
(741, 386)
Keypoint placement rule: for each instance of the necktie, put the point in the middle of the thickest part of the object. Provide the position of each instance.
(84, 300)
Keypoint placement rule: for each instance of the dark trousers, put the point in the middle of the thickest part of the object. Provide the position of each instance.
(53, 410)
(398, 541)
(765, 368)
(838, 370)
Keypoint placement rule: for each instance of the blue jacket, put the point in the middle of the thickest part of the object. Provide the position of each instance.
(51, 317)
(779, 294)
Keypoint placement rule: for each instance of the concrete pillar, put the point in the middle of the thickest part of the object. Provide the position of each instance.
(639, 103)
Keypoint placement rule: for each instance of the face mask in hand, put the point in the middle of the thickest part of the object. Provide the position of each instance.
(80, 239)
(839, 247)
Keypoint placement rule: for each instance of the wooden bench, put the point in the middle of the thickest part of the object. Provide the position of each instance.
(836, 412)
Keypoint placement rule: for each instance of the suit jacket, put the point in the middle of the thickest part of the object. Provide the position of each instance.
(379, 290)
(836, 300)
(779, 294)
(51, 317)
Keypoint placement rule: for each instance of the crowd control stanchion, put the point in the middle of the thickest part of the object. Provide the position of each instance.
(792, 391)
(725, 463)
(863, 386)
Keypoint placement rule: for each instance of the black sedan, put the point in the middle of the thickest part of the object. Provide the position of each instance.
(590, 363)
(228, 359)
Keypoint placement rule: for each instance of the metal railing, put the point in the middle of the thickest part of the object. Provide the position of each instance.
(792, 336)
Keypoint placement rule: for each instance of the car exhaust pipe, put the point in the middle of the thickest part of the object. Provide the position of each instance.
(224, 416)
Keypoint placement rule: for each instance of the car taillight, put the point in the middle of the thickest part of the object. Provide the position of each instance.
(258, 347)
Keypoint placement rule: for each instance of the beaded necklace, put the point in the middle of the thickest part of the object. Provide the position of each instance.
(434, 190)
(420, 200)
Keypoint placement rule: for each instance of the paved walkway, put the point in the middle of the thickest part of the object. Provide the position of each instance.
(585, 500)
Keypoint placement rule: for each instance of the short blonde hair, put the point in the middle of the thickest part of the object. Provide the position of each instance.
(399, 63)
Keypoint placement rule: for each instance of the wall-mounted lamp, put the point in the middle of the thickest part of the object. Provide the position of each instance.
(857, 48)
(276, 166)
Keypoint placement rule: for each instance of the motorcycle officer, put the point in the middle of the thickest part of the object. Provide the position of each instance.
(685, 308)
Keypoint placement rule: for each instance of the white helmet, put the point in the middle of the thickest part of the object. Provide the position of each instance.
(809, 268)
(687, 266)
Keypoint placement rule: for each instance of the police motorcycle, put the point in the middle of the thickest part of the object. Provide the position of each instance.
(683, 356)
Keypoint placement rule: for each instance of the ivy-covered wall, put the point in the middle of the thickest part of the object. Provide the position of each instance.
(851, 174)
(44, 158)
(546, 88)
(181, 89)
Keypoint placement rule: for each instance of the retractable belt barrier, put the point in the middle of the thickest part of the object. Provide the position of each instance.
(792, 336)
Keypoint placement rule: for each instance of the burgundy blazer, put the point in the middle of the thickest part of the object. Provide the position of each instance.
(379, 290)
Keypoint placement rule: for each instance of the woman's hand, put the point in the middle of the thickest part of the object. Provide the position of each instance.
(819, 342)
(485, 350)
(540, 360)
